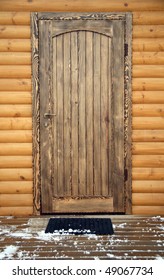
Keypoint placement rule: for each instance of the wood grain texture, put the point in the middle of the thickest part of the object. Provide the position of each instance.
(150, 161)
(147, 18)
(148, 97)
(148, 123)
(148, 71)
(148, 173)
(15, 97)
(148, 136)
(148, 210)
(15, 161)
(83, 205)
(16, 211)
(148, 31)
(15, 136)
(16, 174)
(15, 45)
(15, 110)
(15, 58)
(14, 18)
(147, 199)
(148, 44)
(149, 58)
(148, 110)
(148, 186)
(14, 71)
(78, 6)
(10, 32)
(15, 200)
(15, 123)
(15, 84)
(10, 187)
(147, 84)
(45, 72)
(15, 149)
(148, 148)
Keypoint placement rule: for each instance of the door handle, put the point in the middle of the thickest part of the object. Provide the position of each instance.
(49, 115)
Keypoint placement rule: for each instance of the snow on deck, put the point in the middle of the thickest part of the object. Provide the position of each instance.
(134, 238)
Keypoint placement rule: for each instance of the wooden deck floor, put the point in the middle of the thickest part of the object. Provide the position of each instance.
(135, 237)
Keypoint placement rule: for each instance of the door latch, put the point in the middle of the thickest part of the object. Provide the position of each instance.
(49, 115)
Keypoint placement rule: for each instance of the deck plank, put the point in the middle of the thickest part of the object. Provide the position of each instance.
(135, 237)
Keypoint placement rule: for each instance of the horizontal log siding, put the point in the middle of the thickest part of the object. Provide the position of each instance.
(16, 186)
(15, 100)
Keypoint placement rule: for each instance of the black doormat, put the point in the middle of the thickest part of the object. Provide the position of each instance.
(100, 226)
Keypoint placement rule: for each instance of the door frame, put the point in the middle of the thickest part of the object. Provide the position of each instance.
(127, 19)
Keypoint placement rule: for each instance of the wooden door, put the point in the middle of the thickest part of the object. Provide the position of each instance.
(81, 73)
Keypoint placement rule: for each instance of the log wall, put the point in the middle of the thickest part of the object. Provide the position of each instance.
(15, 100)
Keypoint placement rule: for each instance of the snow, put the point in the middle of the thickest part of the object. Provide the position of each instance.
(20, 234)
(8, 252)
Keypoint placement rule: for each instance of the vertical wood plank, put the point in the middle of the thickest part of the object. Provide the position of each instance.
(46, 141)
(35, 114)
(67, 163)
(96, 101)
(89, 112)
(82, 113)
(55, 122)
(118, 116)
(104, 114)
(60, 114)
(110, 108)
(74, 115)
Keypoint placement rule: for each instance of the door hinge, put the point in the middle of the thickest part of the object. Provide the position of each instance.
(126, 49)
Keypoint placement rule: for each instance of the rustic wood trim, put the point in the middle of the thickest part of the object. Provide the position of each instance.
(127, 18)
(128, 114)
(35, 114)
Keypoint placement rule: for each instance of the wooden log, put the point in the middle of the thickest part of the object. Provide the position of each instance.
(148, 148)
(15, 161)
(148, 110)
(15, 71)
(16, 136)
(148, 71)
(148, 123)
(14, 18)
(15, 58)
(148, 135)
(145, 17)
(12, 32)
(75, 6)
(16, 187)
(145, 199)
(15, 110)
(149, 161)
(16, 211)
(15, 45)
(149, 58)
(15, 84)
(148, 186)
(147, 84)
(15, 123)
(16, 174)
(7, 200)
(148, 31)
(148, 210)
(148, 44)
(148, 97)
(10, 149)
(147, 173)
(15, 97)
